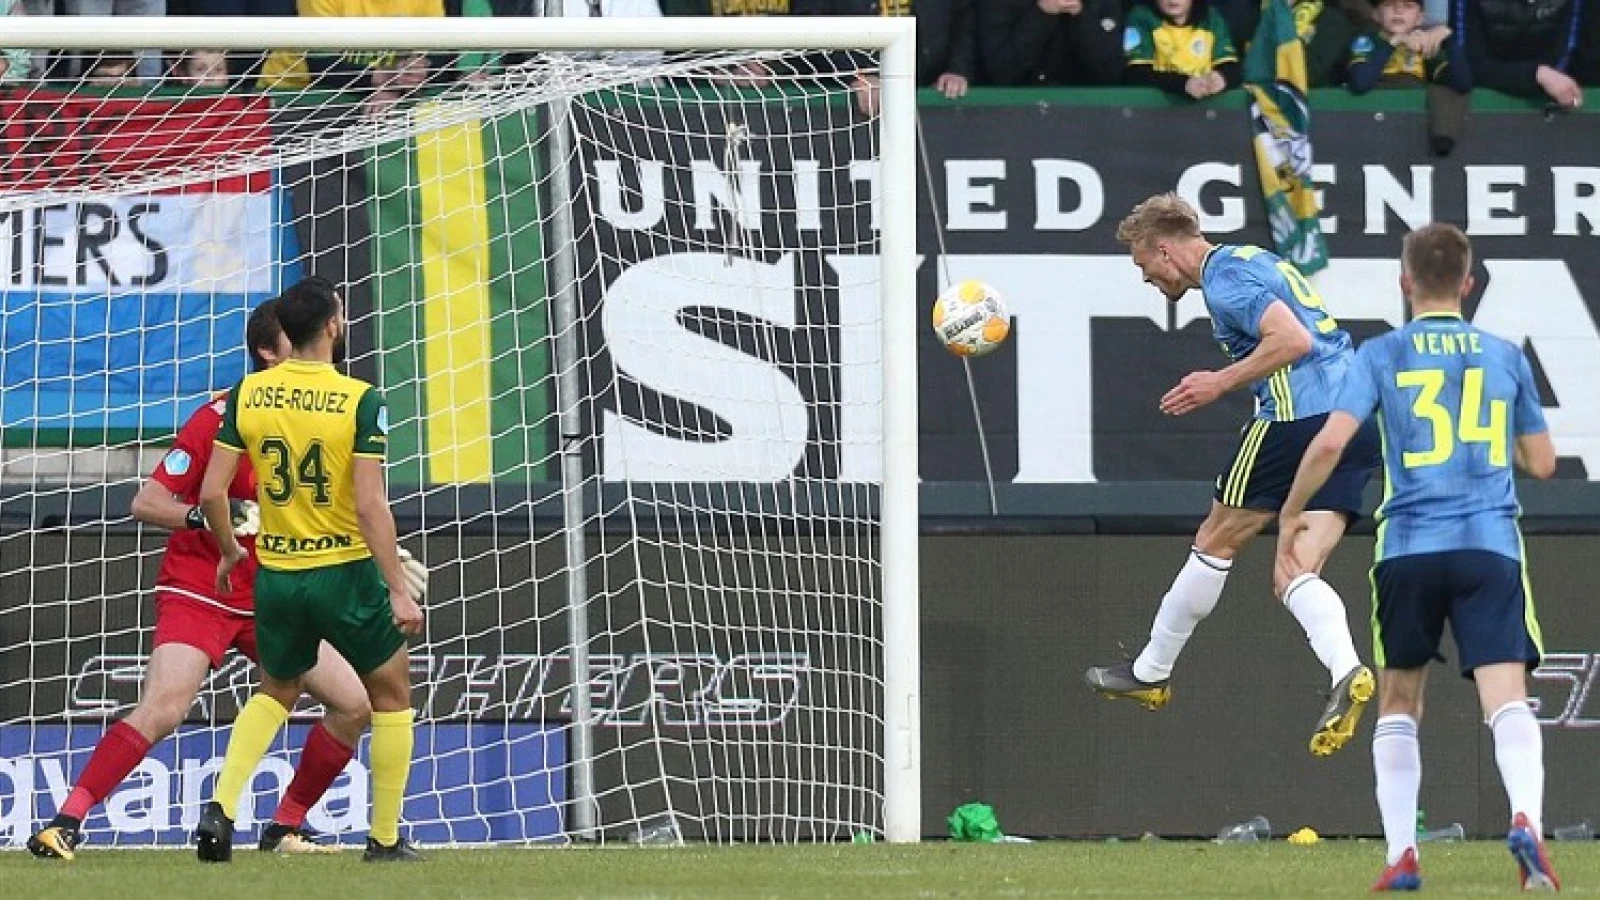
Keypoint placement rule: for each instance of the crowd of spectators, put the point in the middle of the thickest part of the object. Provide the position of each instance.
(1541, 49)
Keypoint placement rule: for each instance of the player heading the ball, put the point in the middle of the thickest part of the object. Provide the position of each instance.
(1287, 349)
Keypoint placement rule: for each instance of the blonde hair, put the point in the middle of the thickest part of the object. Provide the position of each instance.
(1161, 216)
(1438, 257)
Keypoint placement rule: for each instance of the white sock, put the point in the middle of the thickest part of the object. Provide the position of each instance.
(1519, 752)
(1192, 597)
(1316, 605)
(1397, 763)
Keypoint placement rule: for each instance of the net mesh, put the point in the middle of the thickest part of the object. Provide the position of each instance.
(625, 312)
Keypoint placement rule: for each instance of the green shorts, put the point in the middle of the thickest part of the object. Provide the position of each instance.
(346, 605)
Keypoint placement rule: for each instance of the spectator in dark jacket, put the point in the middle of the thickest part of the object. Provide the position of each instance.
(1326, 30)
(1522, 47)
(1030, 42)
(946, 44)
(751, 73)
(1325, 27)
(1586, 66)
(1242, 17)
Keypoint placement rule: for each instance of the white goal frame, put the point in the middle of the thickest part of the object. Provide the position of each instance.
(895, 37)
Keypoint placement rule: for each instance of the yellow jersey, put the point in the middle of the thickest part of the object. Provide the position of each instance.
(302, 424)
(1196, 48)
(369, 8)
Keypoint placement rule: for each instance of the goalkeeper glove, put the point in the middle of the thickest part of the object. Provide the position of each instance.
(416, 573)
(246, 516)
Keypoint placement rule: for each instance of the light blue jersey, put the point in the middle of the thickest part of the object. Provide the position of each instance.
(1240, 282)
(1451, 401)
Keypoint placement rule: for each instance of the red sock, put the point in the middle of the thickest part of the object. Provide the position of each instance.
(323, 758)
(113, 758)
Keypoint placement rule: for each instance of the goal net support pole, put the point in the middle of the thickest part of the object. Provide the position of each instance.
(902, 660)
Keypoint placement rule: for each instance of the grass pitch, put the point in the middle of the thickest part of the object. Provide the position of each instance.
(1049, 869)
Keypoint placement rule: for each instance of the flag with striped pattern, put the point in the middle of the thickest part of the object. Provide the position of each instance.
(459, 295)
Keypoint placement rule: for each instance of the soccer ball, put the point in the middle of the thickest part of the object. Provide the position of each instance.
(971, 318)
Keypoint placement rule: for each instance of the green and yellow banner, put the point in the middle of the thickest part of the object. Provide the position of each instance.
(459, 292)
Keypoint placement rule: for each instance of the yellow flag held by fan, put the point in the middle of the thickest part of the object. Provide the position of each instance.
(1275, 76)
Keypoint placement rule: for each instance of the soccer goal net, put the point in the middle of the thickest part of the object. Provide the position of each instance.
(637, 294)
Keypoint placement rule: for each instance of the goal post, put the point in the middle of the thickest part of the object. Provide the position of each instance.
(563, 266)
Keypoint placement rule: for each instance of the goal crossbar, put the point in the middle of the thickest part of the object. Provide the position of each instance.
(289, 33)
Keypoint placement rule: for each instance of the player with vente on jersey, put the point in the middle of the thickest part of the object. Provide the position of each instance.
(328, 565)
(195, 626)
(1458, 406)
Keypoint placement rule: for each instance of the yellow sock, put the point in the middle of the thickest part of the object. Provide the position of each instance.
(391, 763)
(253, 731)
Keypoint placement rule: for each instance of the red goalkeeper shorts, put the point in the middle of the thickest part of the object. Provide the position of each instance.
(209, 629)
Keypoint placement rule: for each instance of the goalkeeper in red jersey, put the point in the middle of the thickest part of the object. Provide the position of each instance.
(195, 627)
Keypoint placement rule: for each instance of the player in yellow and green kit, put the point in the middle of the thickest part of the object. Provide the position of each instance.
(329, 568)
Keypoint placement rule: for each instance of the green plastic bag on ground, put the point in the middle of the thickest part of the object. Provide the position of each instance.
(974, 822)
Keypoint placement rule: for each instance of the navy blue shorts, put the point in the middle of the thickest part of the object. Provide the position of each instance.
(1268, 455)
(1483, 594)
